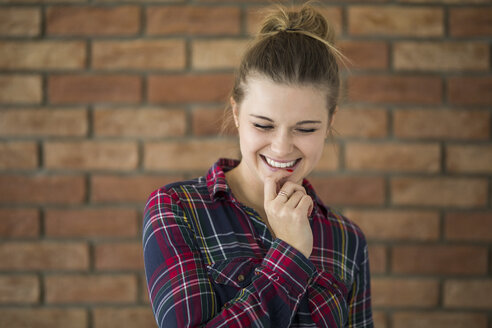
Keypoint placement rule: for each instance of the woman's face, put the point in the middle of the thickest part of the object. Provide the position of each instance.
(281, 127)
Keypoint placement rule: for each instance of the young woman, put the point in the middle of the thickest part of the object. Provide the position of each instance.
(250, 244)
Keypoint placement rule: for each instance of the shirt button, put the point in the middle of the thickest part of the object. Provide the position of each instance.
(240, 278)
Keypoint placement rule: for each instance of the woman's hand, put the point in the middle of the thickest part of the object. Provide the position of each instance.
(287, 212)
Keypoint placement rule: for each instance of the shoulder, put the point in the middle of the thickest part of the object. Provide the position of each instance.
(178, 193)
(341, 234)
(342, 244)
(343, 224)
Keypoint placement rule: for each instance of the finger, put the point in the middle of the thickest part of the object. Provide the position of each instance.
(283, 195)
(305, 205)
(291, 187)
(270, 189)
(295, 199)
(278, 176)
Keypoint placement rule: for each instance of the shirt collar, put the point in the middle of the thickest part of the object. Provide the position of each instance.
(216, 179)
(218, 187)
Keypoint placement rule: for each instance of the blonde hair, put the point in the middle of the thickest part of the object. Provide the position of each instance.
(294, 47)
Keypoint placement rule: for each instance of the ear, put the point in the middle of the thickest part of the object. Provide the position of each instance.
(235, 111)
(331, 121)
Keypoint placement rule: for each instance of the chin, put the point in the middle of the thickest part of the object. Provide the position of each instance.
(295, 176)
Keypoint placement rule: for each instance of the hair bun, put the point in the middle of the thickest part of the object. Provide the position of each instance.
(307, 19)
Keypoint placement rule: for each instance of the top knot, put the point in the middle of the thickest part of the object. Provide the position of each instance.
(306, 20)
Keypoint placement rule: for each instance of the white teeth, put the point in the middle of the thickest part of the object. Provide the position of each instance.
(279, 165)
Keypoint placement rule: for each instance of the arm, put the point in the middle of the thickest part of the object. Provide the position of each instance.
(360, 313)
(181, 292)
(339, 297)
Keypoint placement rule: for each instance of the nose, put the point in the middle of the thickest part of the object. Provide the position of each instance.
(282, 143)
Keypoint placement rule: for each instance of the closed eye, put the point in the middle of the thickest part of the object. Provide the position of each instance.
(262, 127)
(307, 130)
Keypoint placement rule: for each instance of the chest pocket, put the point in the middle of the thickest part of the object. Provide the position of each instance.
(329, 294)
(229, 276)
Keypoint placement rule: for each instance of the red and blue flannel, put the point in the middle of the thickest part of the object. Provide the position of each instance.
(211, 262)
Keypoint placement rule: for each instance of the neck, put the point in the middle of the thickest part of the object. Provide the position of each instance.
(248, 191)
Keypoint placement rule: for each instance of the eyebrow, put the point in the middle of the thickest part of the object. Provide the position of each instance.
(298, 123)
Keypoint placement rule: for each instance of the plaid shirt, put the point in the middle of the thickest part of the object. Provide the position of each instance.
(211, 262)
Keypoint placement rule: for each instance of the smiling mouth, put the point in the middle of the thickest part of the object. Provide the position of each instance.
(280, 165)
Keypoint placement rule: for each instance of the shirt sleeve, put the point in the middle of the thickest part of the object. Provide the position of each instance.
(181, 293)
(335, 302)
(360, 311)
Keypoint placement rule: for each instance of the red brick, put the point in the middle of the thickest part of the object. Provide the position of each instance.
(124, 189)
(404, 292)
(69, 89)
(139, 1)
(20, 89)
(468, 294)
(144, 296)
(73, 289)
(441, 56)
(395, 89)
(237, 1)
(42, 55)
(366, 54)
(44, 256)
(127, 189)
(106, 222)
(193, 20)
(18, 155)
(42, 2)
(439, 320)
(470, 90)
(189, 88)
(43, 318)
(208, 121)
(469, 158)
(470, 22)
(119, 256)
(139, 122)
(348, 190)
(127, 317)
(378, 259)
(91, 155)
(42, 189)
(19, 223)
(395, 21)
(387, 157)
(380, 320)
(453, 2)
(450, 260)
(361, 123)
(217, 54)
(397, 224)
(187, 155)
(139, 54)
(451, 192)
(43, 122)
(472, 226)
(442, 124)
(18, 289)
(255, 16)
(329, 159)
(91, 20)
(18, 21)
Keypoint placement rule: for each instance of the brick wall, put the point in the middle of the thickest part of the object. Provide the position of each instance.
(103, 101)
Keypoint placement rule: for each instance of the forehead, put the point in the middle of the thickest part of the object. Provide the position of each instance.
(278, 101)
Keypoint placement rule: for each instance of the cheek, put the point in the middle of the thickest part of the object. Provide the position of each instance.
(251, 141)
(313, 148)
